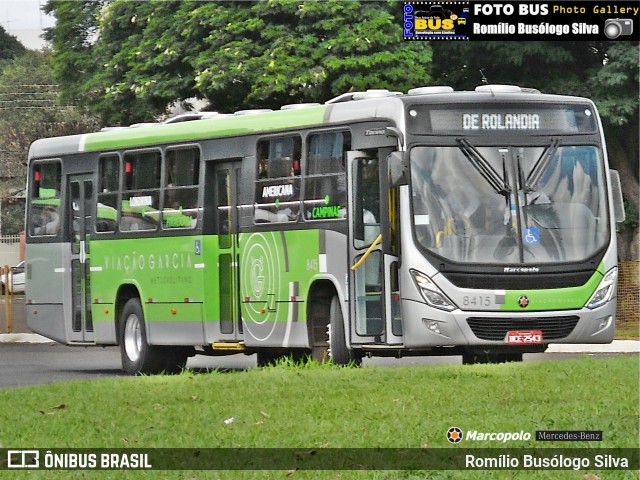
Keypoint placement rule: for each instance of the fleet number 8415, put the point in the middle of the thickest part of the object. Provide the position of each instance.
(476, 301)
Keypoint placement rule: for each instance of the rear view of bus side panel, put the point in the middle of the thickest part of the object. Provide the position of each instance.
(48, 284)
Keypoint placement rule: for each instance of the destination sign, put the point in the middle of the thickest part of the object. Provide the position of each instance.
(500, 121)
(474, 119)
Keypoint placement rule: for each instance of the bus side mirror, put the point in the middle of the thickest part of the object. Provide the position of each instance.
(616, 193)
(397, 166)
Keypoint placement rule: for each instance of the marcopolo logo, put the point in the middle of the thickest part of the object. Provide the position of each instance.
(523, 301)
(455, 435)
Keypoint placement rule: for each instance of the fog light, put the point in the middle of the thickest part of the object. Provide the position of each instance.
(603, 324)
(432, 325)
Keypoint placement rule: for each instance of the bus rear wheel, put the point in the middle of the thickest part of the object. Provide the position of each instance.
(137, 355)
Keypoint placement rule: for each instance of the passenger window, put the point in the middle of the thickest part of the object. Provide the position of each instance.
(44, 217)
(325, 182)
(141, 197)
(278, 184)
(181, 209)
(107, 208)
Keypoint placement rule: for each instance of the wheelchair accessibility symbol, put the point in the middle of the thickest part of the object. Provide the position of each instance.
(531, 236)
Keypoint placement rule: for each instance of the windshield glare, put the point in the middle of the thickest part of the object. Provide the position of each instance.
(509, 204)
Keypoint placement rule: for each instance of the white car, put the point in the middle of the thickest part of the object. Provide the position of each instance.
(16, 279)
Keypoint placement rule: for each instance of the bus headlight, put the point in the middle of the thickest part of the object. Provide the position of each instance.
(605, 290)
(431, 293)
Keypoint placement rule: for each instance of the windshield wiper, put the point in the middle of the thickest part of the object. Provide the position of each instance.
(484, 168)
(541, 165)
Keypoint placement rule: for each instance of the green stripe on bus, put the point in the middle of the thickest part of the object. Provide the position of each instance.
(572, 298)
(201, 129)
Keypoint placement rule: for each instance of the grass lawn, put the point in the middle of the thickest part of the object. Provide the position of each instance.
(322, 406)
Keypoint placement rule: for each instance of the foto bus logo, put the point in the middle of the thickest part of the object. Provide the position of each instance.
(432, 20)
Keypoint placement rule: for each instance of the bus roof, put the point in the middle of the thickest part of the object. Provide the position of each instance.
(373, 104)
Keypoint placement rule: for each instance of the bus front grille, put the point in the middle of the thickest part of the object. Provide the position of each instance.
(552, 328)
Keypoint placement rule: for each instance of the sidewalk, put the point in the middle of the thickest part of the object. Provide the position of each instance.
(617, 346)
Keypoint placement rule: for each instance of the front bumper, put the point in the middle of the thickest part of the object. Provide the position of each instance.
(425, 327)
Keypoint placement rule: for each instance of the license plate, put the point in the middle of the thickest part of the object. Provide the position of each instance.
(524, 337)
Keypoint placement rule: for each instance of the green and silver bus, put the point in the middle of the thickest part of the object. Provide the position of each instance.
(434, 222)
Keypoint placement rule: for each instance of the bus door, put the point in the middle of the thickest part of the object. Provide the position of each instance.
(227, 177)
(81, 218)
(373, 274)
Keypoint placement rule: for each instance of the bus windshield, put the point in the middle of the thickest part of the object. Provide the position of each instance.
(509, 205)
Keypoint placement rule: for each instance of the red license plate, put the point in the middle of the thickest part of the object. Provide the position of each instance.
(524, 337)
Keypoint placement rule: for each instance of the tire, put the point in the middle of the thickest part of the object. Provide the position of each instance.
(338, 350)
(176, 358)
(137, 355)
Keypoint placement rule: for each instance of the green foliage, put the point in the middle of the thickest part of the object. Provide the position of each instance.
(145, 55)
(10, 46)
(631, 216)
(72, 39)
(615, 82)
(12, 215)
(28, 92)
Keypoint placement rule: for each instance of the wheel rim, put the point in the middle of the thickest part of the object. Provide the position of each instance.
(133, 337)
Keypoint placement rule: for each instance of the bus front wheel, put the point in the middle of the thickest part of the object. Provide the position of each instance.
(338, 350)
(137, 355)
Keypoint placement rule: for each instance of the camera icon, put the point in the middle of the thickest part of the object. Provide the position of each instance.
(614, 27)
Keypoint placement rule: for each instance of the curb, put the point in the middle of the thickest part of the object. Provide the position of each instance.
(617, 346)
(24, 338)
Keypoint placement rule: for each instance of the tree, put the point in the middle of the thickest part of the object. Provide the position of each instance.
(27, 91)
(128, 60)
(73, 40)
(10, 46)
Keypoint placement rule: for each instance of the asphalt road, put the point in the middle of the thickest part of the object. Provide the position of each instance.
(27, 363)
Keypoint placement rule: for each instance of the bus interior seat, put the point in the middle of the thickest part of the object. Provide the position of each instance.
(279, 167)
